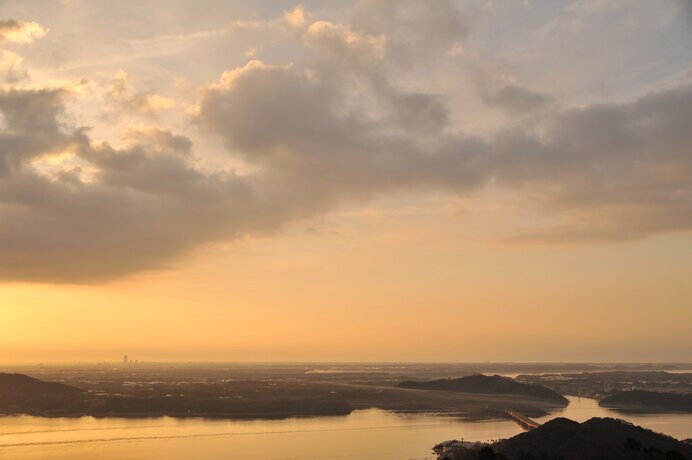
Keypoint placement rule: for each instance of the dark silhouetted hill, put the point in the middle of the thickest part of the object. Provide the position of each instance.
(23, 394)
(494, 384)
(564, 439)
(649, 400)
(597, 438)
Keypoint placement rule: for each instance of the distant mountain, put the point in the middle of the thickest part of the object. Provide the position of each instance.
(23, 394)
(486, 384)
(640, 400)
(564, 439)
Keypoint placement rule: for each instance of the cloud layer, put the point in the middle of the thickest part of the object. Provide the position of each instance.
(342, 124)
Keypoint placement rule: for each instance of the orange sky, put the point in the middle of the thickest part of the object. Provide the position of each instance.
(368, 181)
(371, 287)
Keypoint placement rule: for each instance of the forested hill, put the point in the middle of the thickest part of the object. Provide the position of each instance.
(494, 384)
(649, 400)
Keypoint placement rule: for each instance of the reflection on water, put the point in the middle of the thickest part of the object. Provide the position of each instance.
(367, 434)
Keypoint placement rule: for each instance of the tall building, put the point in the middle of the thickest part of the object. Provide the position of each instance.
(125, 359)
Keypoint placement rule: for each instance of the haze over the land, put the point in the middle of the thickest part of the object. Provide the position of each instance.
(367, 181)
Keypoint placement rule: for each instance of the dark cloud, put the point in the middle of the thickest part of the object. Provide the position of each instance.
(416, 31)
(9, 25)
(145, 205)
(614, 170)
(297, 128)
(515, 99)
(31, 127)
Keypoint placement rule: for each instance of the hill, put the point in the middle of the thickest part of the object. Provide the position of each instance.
(23, 394)
(485, 384)
(564, 439)
(593, 439)
(640, 400)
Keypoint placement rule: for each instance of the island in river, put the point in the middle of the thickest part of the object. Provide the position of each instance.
(487, 384)
(625, 391)
(648, 401)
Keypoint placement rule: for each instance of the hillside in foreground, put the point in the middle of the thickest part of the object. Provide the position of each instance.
(564, 439)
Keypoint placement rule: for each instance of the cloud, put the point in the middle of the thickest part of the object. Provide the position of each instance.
(293, 19)
(616, 171)
(20, 32)
(76, 210)
(31, 127)
(144, 206)
(144, 102)
(416, 31)
(514, 99)
(11, 69)
(337, 126)
(159, 141)
(339, 38)
(610, 171)
(296, 125)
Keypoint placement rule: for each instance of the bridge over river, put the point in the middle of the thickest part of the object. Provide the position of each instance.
(525, 422)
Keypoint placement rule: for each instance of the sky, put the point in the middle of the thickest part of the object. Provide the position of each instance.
(369, 180)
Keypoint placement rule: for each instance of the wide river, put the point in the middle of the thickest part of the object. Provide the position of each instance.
(365, 434)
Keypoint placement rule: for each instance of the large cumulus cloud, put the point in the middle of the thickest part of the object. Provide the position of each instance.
(143, 205)
(612, 171)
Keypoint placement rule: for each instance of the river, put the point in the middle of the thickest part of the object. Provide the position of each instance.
(364, 434)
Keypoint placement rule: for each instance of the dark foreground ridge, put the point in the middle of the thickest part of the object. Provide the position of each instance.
(494, 384)
(564, 439)
(645, 401)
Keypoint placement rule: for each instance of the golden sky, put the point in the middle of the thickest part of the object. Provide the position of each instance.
(373, 181)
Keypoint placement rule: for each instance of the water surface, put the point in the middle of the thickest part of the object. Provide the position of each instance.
(366, 434)
(581, 409)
